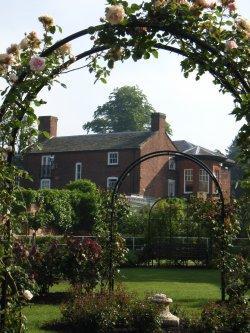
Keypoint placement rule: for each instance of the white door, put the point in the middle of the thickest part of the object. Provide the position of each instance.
(171, 187)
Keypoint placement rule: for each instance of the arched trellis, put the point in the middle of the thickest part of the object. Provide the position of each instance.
(119, 183)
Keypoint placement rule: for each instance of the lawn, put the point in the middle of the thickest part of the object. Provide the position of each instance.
(190, 288)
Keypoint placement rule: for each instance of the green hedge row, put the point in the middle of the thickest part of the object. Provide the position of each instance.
(72, 209)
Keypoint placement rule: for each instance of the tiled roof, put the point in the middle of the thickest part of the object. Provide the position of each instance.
(109, 141)
(191, 149)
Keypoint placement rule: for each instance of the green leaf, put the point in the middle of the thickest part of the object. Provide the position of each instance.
(52, 29)
(103, 80)
(63, 85)
(155, 53)
(111, 64)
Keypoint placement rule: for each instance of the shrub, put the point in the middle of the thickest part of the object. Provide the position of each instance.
(102, 312)
(225, 316)
(82, 185)
(131, 259)
(82, 262)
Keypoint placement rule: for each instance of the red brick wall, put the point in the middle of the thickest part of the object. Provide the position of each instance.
(224, 176)
(94, 167)
(154, 172)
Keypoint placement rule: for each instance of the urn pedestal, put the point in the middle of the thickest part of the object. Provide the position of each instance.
(168, 319)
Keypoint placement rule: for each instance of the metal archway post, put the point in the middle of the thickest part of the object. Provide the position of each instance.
(114, 195)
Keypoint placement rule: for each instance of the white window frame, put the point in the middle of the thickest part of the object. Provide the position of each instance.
(188, 177)
(204, 178)
(108, 181)
(171, 182)
(171, 163)
(111, 158)
(78, 173)
(42, 181)
(48, 159)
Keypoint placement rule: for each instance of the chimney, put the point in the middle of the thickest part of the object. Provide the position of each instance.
(158, 122)
(47, 124)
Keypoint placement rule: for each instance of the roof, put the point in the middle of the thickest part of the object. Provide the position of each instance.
(192, 149)
(106, 141)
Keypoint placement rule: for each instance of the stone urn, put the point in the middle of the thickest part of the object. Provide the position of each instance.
(168, 319)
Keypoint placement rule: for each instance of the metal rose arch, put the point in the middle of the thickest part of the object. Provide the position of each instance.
(118, 185)
(209, 35)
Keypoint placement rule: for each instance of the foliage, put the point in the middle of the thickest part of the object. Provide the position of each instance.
(49, 260)
(82, 185)
(223, 316)
(210, 38)
(166, 218)
(81, 262)
(127, 110)
(86, 202)
(236, 171)
(68, 210)
(102, 312)
(243, 215)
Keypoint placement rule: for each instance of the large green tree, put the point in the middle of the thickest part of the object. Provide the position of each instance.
(127, 110)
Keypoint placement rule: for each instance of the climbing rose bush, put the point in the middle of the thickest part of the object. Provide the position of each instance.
(210, 36)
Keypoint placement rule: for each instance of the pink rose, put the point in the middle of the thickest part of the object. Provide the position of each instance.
(231, 7)
(37, 64)
(231, 44)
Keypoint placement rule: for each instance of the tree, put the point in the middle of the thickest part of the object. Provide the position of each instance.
(127, 110)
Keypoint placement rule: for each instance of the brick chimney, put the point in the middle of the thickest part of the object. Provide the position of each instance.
(47, 124)
(158, 122)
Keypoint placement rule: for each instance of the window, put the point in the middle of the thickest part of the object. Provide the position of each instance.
(111, 181)
(203, 181)
(47, 160)
(45, 183)
(78, 170)
(112, 158)
(188, 181)
(188, 174)
(171, 163)
(171, 187)
(47, 163)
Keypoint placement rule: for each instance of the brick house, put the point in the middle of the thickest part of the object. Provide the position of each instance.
(192, 179)
(102, 157)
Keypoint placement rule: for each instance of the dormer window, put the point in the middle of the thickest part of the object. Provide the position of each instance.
(171, 163)
(113, 158)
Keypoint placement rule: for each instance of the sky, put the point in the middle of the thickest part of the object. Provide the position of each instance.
(196, 110)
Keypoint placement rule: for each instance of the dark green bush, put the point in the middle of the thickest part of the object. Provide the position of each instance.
(131, 259)
(225, 316)
(73, 209)
(82, 185)
(103, 312)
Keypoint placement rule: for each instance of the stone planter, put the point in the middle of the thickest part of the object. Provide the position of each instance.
(168, 319)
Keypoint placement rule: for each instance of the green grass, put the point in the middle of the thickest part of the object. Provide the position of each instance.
(190, 288)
